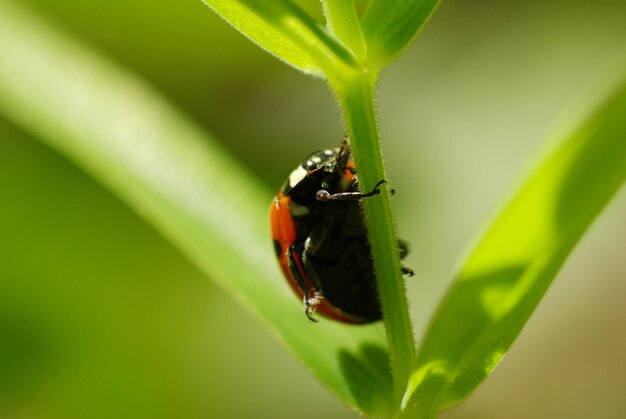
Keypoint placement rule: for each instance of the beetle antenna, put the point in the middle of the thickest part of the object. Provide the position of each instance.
(344, 152)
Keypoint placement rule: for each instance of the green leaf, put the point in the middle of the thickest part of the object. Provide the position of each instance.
(514, 263)
(343, 21)
(285, 30)
(181, 181)
(390, 25)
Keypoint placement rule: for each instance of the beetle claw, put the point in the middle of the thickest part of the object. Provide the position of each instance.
(407, 271)
(310, 305)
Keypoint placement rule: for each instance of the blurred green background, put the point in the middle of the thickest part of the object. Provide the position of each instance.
(101, 318)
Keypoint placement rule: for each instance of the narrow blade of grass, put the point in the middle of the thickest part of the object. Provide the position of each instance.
(390, 25)
(286, 31)
(178, 179)
(515, 262)
(343, 21)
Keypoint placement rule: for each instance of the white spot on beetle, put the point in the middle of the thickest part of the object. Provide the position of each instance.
(296, 176)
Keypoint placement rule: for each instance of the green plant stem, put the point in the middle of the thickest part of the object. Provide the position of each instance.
(344, 23)
(356, 96)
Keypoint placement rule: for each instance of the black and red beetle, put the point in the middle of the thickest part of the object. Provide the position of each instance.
(321, 240)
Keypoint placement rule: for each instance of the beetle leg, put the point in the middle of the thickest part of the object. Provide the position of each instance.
(316, 238)
(310, 247)
(403, 248)
(310, 302)
(407, 271)
(323, 195)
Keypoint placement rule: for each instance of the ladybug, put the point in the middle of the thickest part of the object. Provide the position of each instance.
(321, 240)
